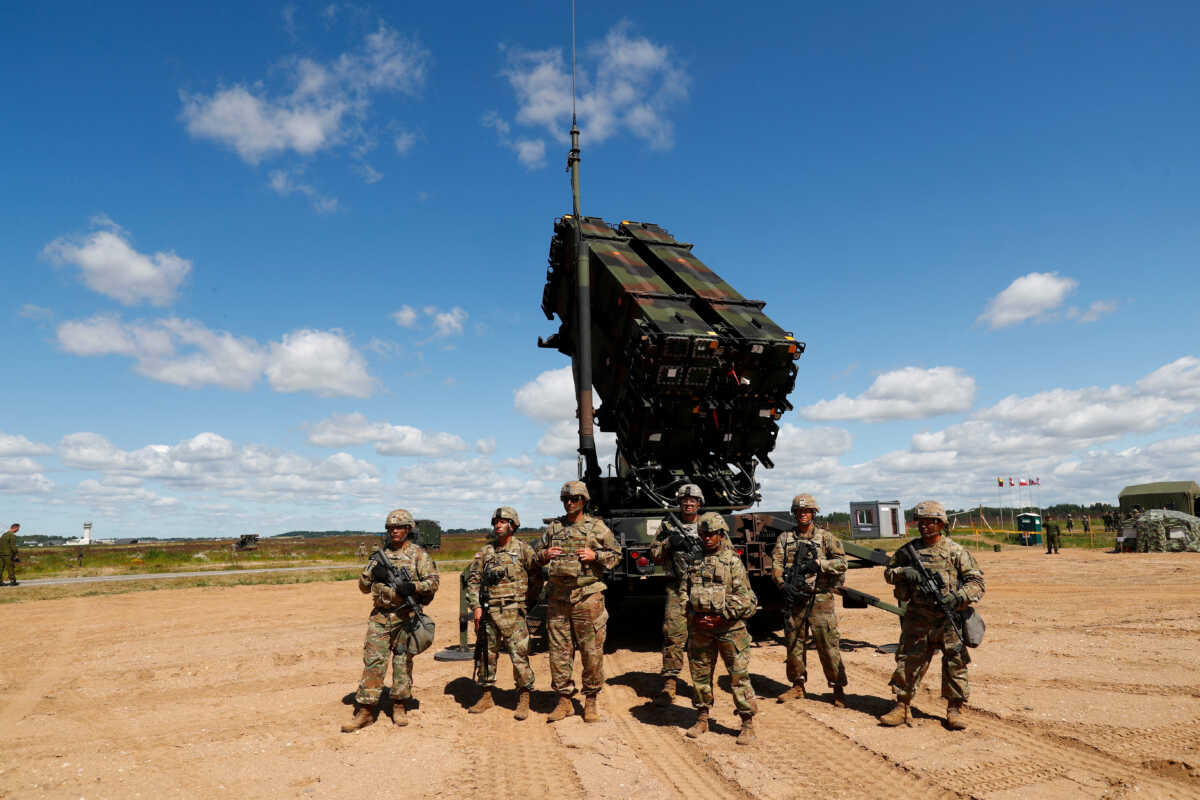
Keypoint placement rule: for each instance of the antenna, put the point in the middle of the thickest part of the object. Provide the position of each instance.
(583, 310)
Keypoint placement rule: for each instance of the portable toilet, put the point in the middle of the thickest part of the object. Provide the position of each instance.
(1029, 528)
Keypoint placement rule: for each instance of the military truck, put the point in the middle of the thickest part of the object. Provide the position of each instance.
(693, 378)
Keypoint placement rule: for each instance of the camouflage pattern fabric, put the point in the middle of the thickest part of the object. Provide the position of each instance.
(675, 631)
(660, 548)
(8, 544)
(520, 575)
(1167, 531)
(8, 567)
(387, 622)
(718, 585)
(581, 625)
(923, 628)
(576, 618)
(1053, 537)
(822, 618)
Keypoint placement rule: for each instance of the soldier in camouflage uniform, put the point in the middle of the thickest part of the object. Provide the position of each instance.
(8, 555)
(812, 607)
(387, 620)
(674, 548)
(510, 572)
(577, 550)
(924, 629)
(719, 600)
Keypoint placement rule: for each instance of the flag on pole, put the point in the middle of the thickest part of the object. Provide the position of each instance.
(1010, 481)
(999, 481)
(1024, 482)
(1037, 481)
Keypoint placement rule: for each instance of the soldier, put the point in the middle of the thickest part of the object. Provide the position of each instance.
(508, 571)
(577, 550)
(1070, 523)
(924, 629)
(1087, 523)
(719, 600)
(1053, 537)
(388, 620)
(674, 548)
(813, 605)
(8, 555)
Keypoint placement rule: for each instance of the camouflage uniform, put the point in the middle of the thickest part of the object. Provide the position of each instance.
(1053, 537)
(718, 585)
(576, 617)
(385, 623)
(520, 576)
(924, 629)
(8, 556)
(675, 630)
(822, 617)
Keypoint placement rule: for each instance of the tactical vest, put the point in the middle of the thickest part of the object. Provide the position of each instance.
(824, 582)
(708, 584)
(939, 560)
(504, 566)
(567, 568)
(404, 558)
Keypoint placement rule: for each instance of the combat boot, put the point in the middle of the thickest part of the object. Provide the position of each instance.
(590, 712)
(701, 724)
(399, 713)
(794, 693)
(747, 735)
(900, 714)
(363, 716)
(667, 696)
(954, 720)
(563, 710)
(522, 711)
(483, 703)
(839, 697)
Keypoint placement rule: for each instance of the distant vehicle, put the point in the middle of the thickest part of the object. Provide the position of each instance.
(247, 541)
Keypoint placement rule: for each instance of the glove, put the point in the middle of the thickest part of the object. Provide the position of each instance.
(677, 540)
(708, 621)
(909, 574)
(379, 573)
(949, 600)
(405, 588)
(386, 595)
(810, 568)
(790, 593)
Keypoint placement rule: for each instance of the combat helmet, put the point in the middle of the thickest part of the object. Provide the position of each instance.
(806, 501)
(689, 490)
(509, 513)
(398, 518)
(712, 521)
(931, 509)
(571, 488)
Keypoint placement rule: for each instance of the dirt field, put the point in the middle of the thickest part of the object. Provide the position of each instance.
(1087, 686)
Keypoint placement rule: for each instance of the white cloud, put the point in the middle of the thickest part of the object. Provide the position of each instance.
(485, 446)
(1178, 380)
(626, 84)
(1088, 414)
(26, 484)
(550, 397)
(561, 440)
(326, 105)
(907, 393)
(16, 445)
(186, 353)
(323, 362)
(1096, 310)
(110, 266)
(404, 142)
(812, 442)
(347, 430)
(203, 447)
(447, 323)
(1031, 296)
(19, 466)
(406, 317)
(32, 311)
(285, 183)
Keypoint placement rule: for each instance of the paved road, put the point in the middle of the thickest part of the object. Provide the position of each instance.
(152, 576)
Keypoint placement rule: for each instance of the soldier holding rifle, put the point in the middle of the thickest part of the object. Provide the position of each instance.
(676, 547)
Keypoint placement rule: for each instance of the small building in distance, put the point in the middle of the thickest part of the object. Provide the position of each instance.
(1169, 495)
(876, 519)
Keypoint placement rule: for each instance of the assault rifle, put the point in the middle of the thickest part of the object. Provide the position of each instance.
(804, 563)
(932, 586)
(487, 579)
(385, 572)
(691, 549)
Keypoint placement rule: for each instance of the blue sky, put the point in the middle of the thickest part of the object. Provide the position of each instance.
(277, 266)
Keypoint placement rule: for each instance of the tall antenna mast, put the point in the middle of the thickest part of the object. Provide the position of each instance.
(583, 311)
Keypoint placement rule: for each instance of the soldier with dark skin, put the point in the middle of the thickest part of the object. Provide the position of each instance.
(388, 618)
(577, 549)
(924, 629)
(669, 549)
(719, 601)
(814, 608)
(511, 572)
(9, 557)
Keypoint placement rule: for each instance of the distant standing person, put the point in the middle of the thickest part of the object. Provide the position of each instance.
(675, 548)
(388, 619)
(1070, 523)
(8, 555)
(508, 572)
(1087, 523)
(811, 607)
(577, 550)
(924, 628)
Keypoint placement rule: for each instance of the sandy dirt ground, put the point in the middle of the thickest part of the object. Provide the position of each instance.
(1086, 686)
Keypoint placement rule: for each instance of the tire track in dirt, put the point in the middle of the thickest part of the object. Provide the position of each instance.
(517, 765)
(996, 776)
(55, 663)
(1133, 743)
